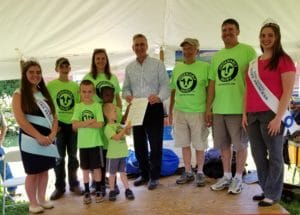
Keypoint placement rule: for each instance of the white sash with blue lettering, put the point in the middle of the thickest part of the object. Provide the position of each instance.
(30, 144)
(269, 98)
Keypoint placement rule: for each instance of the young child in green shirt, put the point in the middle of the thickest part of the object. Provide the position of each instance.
(88, 119)
(117, 150)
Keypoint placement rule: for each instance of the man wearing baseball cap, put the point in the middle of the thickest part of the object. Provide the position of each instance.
(64, 93)
(188, 99)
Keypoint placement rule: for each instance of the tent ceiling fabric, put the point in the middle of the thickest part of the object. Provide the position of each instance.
(47, 30)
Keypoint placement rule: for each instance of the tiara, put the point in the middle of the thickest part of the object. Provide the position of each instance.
(269, 22)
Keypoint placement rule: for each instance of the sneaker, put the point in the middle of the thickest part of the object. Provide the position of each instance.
(129, 194)
(87, 198)
(236, 186)
(185, 178)
(112, 196)
(57, 194)
(77, 190)
(99, 197)
(200, 179)
(221, 184)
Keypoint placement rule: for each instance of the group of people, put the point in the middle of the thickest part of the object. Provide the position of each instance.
(221, 94)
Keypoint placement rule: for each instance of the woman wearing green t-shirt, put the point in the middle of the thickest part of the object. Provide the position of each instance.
(101, 75)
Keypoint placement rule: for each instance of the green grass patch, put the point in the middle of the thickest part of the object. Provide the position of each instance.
(15, 209)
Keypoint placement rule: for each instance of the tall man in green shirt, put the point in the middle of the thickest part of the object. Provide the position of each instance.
(225, 99)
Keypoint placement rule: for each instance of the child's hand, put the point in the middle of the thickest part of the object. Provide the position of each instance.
(128, 125)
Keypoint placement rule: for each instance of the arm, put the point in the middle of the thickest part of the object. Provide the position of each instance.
(209, 101)
(3, 129)
(287, 80)
(126, 90)
(24, 124)
(118, 100)
(122, 133)
(54, 129)
(124, 118)
(171, 107)
(90, 123)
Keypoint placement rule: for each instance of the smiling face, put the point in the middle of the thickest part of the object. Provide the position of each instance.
(140, 47)
(267, 38)
(34, 75)
(230, 34)
(100, 61)
(86, 93)
(190, 53)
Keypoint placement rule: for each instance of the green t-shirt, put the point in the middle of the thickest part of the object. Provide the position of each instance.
(228, 70)
(105, 141)
(64, 95)
(100, 81)
(116, 148)
(190, 82)
(88, 137)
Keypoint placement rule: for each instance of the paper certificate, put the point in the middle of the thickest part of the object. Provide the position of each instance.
(137, 111)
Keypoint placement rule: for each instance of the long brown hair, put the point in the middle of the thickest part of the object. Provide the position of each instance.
(277, 48)
(28, 103)
(94, 71)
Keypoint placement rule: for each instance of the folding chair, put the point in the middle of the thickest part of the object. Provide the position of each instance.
(9, 157)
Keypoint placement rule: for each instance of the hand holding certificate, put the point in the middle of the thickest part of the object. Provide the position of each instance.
(137, 111)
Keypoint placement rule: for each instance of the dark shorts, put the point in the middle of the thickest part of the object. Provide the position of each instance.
(115, 165)
(91, 158)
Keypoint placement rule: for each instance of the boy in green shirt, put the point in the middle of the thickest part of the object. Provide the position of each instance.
(87, 119)
(117, 150)
(64, 93)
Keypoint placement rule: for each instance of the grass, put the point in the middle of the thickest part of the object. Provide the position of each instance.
(293, 207)
(21, 209)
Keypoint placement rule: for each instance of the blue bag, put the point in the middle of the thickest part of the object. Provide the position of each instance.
(170, 162)
(132, 165)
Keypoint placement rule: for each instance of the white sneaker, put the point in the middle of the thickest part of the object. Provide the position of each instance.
(236, 186)
(221, 184)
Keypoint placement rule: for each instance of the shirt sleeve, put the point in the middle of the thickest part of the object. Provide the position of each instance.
(164, 91)
(126, 90)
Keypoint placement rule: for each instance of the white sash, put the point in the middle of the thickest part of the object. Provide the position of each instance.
(269, 98)
(30, 144)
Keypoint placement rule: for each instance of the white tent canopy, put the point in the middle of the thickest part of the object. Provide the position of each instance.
(46, 29)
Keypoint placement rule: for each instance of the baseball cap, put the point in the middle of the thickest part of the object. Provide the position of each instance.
(191, 41)
(61, 61)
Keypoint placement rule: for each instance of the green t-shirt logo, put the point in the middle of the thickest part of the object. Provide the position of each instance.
(186, 82)
(228, 70)
(65, 100)
(102, 84)
(87, 114)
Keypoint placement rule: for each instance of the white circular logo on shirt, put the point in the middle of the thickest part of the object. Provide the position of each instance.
(228, 70)
(65, 100)
(186, 82)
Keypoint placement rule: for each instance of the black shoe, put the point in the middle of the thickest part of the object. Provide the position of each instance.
(129, 194)
(112, 196)
(152, 184)
(117, 190)
(258, 197)
(77, 190)
(140, 181)
(103, 190)
(265, 204)
(57, 194)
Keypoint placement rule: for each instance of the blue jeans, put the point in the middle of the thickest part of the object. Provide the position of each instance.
(267, 152)
(8, 173)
